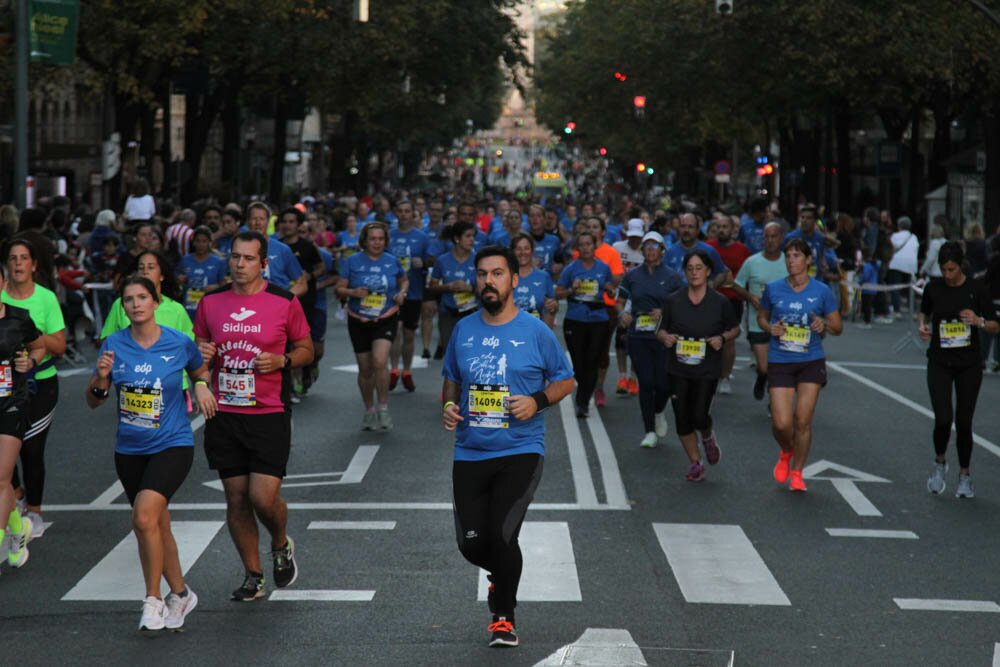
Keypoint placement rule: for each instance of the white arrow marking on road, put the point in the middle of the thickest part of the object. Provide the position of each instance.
(355, 473)
(549, 565)
(418, 362)
(598, 646)
(996, 655)
(845, 486)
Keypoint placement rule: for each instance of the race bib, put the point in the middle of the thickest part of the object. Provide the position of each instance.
(587, 290)
(954, 334)
(6, 379)
(237, 387)
(812, 270)
(194, 297)
(140, 406)
(690, 351)
(465, 301)
(488, 406)
(795, 339)
(535, 313)
(373, 305)
(646, 323)
(405, 261)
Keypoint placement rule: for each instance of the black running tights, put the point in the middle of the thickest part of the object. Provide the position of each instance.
(941, 377)
(584, 341)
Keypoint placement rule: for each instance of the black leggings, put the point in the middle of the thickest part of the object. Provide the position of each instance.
(693, 403)
(649, 363)
(491, 499)
(41, 409)
(940, 377)
(584, 341)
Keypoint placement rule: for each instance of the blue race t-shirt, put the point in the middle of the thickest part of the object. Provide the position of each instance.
(328, 263)
(532, 290)
(817, 242)
(448, 269)
(647, 291)
(198, 275)
(405, 246)
(586, 303)
(547, 251)
(152, 410)
(381, 277)
(283, 268)
(795, 309)
(492, 363)
(674, 258)
(752, 235)
(348, 243)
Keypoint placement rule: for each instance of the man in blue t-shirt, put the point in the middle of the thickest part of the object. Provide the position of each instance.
(283, 269)
(752, 225)
(501, 369)
(821, 269)
(688, 241)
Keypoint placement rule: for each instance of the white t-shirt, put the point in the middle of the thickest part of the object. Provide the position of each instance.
(140, 208)
(904, 246)
(631, 257)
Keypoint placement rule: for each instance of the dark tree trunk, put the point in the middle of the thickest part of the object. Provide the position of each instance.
(894, 121)
(276, 191)
(842, 128)
(199, 115)
(231, 144)
(937, 175)
(915, 185)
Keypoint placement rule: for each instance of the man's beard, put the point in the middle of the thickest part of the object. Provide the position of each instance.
(492, 307)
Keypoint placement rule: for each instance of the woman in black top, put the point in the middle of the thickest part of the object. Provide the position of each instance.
(952, 308)
(696, 323)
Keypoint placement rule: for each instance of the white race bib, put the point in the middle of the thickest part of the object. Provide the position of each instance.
(237, 387)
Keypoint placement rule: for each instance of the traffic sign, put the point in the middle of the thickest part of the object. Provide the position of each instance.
(722, 167)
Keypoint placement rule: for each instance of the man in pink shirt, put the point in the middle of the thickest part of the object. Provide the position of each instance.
(252, 334)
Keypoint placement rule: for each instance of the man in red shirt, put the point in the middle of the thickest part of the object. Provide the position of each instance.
(733, 254)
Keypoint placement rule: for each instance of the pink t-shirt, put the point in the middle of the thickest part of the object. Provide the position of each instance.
(243, 326)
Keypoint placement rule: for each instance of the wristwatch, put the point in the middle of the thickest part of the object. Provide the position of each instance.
(288, 361)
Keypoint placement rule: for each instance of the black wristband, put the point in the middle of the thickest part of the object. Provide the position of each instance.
(541, 400)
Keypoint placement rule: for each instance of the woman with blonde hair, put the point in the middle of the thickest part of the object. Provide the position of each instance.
(930, 268)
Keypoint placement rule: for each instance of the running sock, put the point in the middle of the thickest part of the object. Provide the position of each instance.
(370, 409)
(14, 522)
(383, 406)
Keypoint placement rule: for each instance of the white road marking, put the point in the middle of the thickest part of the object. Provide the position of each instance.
(846, 486)
(354, 474)
(857, 500)
(918, 604)
(614, 488)
(996, 655)
(351, 525)
(718, 564)
(864, 532)
(598, 646)
(215, 507)
(197, 423)
(814, 470)
(549, 565)
(109, 495)
(865, 364)
(418, 362)
(583, 482)
(292, 595)
(991, 447)
(68, 373)
(118, 576)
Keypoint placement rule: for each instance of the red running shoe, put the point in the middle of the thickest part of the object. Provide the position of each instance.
(393, 379)
(408, 381)
(633, 387)
(797, 483)
(599, 398)
(782, 467)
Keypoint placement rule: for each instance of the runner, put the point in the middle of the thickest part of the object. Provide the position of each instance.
(756, 273)
(200, 271)
(733, 254)
(796, 312)
(429, 308)
(583, 283)
(606, 253)
(631, 253)
(317, 328)
(687, 231)
(952, 307)
(452, 278)
(411, 247)
(281, 269)
(18, 334)
(43, 383)
(375, 284)
(501, 369)
(255, 333)
(154, 447)
(641, 296)
(153, 266)
(697, 323)
(535, 293)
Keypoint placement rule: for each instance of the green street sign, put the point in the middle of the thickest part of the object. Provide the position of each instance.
(53, 25)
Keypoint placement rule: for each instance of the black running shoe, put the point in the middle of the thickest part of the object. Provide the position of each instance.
(426, 354)
(285, 571)
(252, 588)
(759, 386)
(502, 633)
(439, 353)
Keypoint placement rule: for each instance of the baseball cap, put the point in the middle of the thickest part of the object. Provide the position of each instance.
(634, 227)
(654, 236)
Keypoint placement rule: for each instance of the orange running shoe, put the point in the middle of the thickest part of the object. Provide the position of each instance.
(622, 387)
(393, 379)
(633, 386)
(797, 483)
(782, 467)
(408, 381)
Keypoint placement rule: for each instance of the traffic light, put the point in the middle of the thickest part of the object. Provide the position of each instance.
(765, 170)
(724, 7)
(649, 170)
(762, 159)
(621, 76)
(640, 167)
(639, 101)
(602, 150)
(570, 126)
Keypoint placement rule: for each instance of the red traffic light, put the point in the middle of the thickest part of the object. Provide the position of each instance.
(602, 150)
(620, 76)
(765, 170)
(639, 101)
(641, 166)
(571, 125)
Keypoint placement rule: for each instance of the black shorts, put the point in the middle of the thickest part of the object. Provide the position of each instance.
(758, 338)
(791, 375)
(163, 472)
(409, 314)
(317, 326)
(14, 422)
(737, 305)
(436, 298)
(363, 334)
(621, 338)
(239, 444)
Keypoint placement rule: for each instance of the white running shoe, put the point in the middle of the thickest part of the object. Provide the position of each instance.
(725, 386)
(964, 489)
(37, 525)
(154, 614)
(17, 544)
(661, 424)
(936, 483)
(649, 440)
(179, 607)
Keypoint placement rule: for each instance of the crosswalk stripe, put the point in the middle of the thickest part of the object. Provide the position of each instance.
(549, 565)
(119, 574)
(918, 604)
(717, 564)
(296, 595)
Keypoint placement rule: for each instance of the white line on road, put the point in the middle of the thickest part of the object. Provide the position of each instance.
(351, 525)
(197, 423)
(583, 482)
(865, 364)
(864, 532)
(70, 372)
(614, 488)
(718, 564)
(996, 655)
(917, 604)
(991, 447)
(549, 565)
(598, 646)
(109, 495)
(119, 574)
(857, 500)
(182, 507)
(360, 462)
(292, 595)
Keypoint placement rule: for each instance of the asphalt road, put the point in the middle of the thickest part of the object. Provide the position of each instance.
(625, 561)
